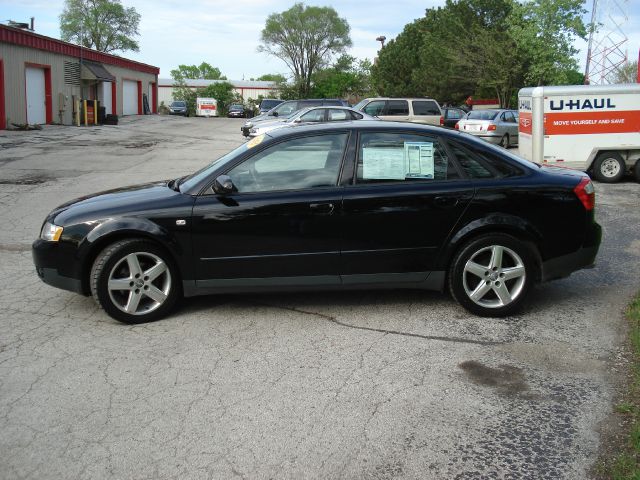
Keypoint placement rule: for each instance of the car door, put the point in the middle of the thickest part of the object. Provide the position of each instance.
(279, 226)
(512, 126)
(396, 110)
(406, 197)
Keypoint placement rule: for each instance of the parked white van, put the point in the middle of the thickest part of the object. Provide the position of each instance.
(594, 128)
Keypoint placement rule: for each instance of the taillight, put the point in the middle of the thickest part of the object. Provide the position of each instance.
(491, 128)
(457, 126)
(441, 121)
(586, 193)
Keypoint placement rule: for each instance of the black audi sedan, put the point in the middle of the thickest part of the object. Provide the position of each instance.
(342, 205)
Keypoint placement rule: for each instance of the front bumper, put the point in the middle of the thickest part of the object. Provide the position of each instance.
(584, 257)
(177, 112)
(57, 265)
(236, 114)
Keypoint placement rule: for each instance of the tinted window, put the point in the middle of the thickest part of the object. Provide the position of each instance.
(482, 115)
(455, 114)
(308, 162)
(397, 107)
(336, 115)
(482, 163)
(374, 108)
(287, 108)
(425, 107)
(269, 104)
(395, 157)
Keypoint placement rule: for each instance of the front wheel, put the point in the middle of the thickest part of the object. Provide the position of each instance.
(491, 275)
(134, 281)
(609, 167)
(636, 171)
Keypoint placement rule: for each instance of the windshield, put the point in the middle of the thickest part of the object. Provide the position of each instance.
(482, 114)
(269, 104)
(285, 109)
(193, 179)
(360, 104)
(178, 104)
(236, 107)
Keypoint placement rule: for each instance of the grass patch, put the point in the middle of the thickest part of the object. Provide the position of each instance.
(625, 465)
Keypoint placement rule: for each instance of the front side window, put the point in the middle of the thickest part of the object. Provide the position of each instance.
(301, 163)
(374, 108)
(425, 107)
(397, 108)
(398, 157)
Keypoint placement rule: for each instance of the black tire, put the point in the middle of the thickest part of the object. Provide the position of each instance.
(113, 263)
(487, 281)
(636, 171)
(504, 141)
(609, 167)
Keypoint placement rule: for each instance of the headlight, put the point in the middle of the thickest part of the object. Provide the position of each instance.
(254, 130)
(248, 125)
(51, 232)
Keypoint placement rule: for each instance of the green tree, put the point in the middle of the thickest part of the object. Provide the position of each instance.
(223, 93)
(346, 78)
(204, 71)
(272, 77)
(305, 38)
(105, 25)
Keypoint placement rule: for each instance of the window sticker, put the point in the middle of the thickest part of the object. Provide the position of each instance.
(419, 159)
(383, 163)
(413, 160)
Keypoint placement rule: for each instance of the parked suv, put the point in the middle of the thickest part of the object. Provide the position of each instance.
(416, 110)
(288, 108)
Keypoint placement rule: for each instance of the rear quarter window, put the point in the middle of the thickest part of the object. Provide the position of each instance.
(425, 107)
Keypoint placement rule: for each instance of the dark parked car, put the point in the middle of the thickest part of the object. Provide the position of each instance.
(178, 108)
(288, 108)
(338, 205)
(236, 111)
(452, 116)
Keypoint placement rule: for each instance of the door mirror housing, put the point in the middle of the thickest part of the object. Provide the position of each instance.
(297, 120)
(223, 185)
(275, 114)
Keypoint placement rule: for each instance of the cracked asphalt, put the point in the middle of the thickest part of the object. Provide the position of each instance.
(339, 385)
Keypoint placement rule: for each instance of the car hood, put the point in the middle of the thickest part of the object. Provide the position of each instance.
(270, 123)
(127, 201)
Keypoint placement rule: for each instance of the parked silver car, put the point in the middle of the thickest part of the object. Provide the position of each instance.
(310, 115)
(495, 126)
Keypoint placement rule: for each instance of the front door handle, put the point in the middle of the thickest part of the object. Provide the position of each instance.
(322, 207)
(445, 202)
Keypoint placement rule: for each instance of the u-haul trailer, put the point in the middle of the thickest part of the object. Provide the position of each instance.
(593, 128)
(206, 107)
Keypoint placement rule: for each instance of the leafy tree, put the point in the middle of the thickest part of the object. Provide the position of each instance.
(346, 78)
(305, 38)
(105, 25)
(272, 77)
(204, 71)
(628, 73)
(221, 91)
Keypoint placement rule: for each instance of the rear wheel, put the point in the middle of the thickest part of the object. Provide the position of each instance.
(636, 171)
(504, 141)
(491, 275)
(608, 167)
(135, 281)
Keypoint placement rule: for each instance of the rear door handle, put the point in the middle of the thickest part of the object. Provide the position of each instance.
(445, 202)
(322, 207)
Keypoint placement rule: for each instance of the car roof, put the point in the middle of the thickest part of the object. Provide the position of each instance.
(361, 125)
(401, 98)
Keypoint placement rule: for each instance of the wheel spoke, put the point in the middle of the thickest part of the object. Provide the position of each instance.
(503, 293)
(134, 265)
(513, 272)
(496, 256)
(480, 291)
(133, 302)
(155, 271)
(119, 284)
(475, 268)
(155, 294)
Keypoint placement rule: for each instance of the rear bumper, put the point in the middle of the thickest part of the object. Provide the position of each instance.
(56, 265)
(585, 257)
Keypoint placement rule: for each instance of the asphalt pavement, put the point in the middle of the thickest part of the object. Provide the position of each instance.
(338, 385)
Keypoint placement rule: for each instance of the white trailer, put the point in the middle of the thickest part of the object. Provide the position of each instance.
(594, 128)
(206, 107)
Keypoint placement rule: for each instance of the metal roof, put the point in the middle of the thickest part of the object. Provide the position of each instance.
(197, 82)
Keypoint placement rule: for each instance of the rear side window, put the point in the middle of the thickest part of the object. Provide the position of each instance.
(374, 108)
(397, 107)
(482, 163)
(401, 157)
(336, 115)
(425, 107)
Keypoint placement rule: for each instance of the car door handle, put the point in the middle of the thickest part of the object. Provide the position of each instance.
(445, 202)
(322, 207)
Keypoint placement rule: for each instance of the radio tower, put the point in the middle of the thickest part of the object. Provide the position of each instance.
(607, 50)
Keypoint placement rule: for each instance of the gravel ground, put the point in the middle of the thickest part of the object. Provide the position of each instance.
(349, 385)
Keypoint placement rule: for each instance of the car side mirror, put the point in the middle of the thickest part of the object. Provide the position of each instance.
(275, 114)
(297, 120)
(223, 185)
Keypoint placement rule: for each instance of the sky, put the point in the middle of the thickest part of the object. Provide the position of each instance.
(226, 33)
